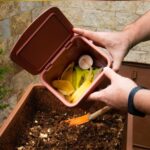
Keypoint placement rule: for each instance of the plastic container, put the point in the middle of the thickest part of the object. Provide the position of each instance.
(136, 133)
(37, 97)
(49, 45)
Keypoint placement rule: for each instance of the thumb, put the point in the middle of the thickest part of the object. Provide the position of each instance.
(112, 75)
(85, 33)
(91, 35)
(97, 96)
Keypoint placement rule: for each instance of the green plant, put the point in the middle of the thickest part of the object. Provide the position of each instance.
(3, 92)
(3, 72)
(1, 51)
(3, 106)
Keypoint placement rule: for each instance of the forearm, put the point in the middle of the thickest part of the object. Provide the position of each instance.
(139, 30)
(142, 101)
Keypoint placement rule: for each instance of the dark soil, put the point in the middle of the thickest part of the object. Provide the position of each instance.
(48, 131)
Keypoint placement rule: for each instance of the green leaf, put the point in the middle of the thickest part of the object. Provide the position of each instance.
(3, 92)
(1, 51)
(3, 106)
(3, 71)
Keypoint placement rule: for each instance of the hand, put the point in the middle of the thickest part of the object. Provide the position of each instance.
(116, 43)
(116, 94)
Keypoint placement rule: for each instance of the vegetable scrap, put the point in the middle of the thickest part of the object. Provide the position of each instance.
(75, 80)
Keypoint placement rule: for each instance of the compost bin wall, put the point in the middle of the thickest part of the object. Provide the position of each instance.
(137, 133)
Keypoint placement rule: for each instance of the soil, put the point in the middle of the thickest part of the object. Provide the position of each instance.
(48, 131)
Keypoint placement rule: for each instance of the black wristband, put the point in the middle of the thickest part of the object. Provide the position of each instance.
(131, 108)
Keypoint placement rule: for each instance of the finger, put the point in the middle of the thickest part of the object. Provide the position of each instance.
(96, 96)
(89, 34)
(110, 73)
(84, 32)
(116, 65)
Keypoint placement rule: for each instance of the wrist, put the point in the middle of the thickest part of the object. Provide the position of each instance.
(141, 100)
(133, 104)
(130, 34)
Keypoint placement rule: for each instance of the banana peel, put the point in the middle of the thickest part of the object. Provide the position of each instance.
(80, 91)
(75, 81)
(79, 77)
(68, 73)
(63, 86)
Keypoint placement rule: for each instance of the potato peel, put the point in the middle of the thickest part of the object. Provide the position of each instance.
(68, 73)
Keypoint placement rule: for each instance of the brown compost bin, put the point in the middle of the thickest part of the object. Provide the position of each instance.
(138, 127)
(136, 133)
(37, 97)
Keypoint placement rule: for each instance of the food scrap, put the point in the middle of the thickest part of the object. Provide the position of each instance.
(75, 80)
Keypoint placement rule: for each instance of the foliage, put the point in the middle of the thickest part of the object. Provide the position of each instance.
(3, 72)
(3, 106)
(3, 92)
(1, 51)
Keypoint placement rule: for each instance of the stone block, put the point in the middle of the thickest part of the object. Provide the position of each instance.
(124, 18)
(22, 79)
(106, 20)
(99, 5)
(73, 15)
(3, 46)
(89, 18)
(20, 22)
(125, 6)
(37, 11)
(45, 3)
(86, 27)
(143, 7)
(27, 6)
(3, 49)
(8, 9)
(139, 53)
(5, 29)
(58, 3)
(10, 42)
(138, 56)
(145, 44)
(89, 4)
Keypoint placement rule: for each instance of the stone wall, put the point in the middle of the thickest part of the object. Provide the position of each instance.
(94, 15)
(15, 17)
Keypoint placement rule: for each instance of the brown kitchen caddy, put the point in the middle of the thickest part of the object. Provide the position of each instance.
(49, 45)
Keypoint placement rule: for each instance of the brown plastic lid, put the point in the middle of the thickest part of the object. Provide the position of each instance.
(42, 40)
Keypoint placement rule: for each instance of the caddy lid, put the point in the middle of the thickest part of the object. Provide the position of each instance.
(42, 40)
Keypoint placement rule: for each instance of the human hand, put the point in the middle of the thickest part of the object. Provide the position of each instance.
(116, 94)
(116, 43)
